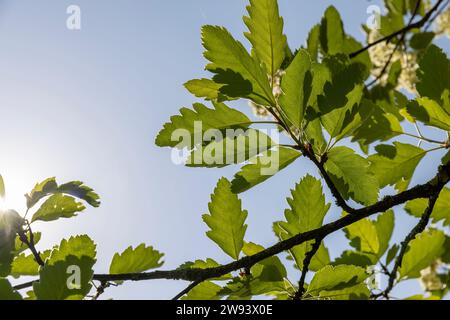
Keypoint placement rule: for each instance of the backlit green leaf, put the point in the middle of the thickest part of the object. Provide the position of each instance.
(135, 260)
(226, 219)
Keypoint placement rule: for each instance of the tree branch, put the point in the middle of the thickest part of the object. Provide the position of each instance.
(419, 228)
(427, 190)
(306, 262)
(187, 290)
(409, 27)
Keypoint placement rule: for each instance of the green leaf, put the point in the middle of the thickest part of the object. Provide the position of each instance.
(357, 292)
(262, 168)
(267, 270)
(334, 40)
(306, 213)
(296, 88)
(355, 258)
(350, 173)
(392, 253)
(341, 95)
(191, 125)
(206, 290)
(7, 292)
(2, 187)
(140, 259)
(370, 238)
(226, 219)
(395, 165)
(68, 271)
(80, 191)
(208, 89)
(441, 210)
(433, 74)
(430, 113)
(73, 188)
(266, 33)
(363, 237)
(375, 124)
(421, 40)
(205, 264)
(336, 278)
(235, 148)
(58, 206)
(40, 191)
(422, 251)
(385, 227)
(10, 222)
(231, 62)
(313, 42)
(26, 265)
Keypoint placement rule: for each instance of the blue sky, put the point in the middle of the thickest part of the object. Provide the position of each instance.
(88, 104)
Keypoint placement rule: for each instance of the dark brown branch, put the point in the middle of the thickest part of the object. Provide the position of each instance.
(187, 290)
(409, 27)
(419, 228)
(427, 190)
(306, 262)
(30, 244)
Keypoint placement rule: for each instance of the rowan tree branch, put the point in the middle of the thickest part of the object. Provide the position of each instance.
(427, 190)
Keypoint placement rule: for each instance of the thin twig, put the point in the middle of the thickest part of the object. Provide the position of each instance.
(187, 290)
(420, 227)
(306, 262)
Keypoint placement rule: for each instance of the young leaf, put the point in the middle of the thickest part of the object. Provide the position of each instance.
(266, 33)
(429, 112)
(350, 173)
(385, 227)
(226, 219)
(363, 237)
(262, 168)
(24, 265)
(441, 210)
(306, 213)
(238, 72)
(56, 207)
(140, 259)
(332, 278)
(205, 264)
(7, 293)
(73, 188)
(334, 40)
(208, 89)
(235, 148)
(422, 251)
(196, 122)
(74, 257)
(296, 88)
(395, 165)
(433, 74)
(392, 253)
(313, 42)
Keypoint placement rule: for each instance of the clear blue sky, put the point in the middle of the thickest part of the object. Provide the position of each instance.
(88, 104)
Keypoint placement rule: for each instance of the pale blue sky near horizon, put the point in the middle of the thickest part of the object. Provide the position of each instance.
(88, 105)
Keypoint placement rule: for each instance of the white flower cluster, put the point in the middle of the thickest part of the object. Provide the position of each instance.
(260, 110)
(442, 24)
(380, 55)
(430, 279)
